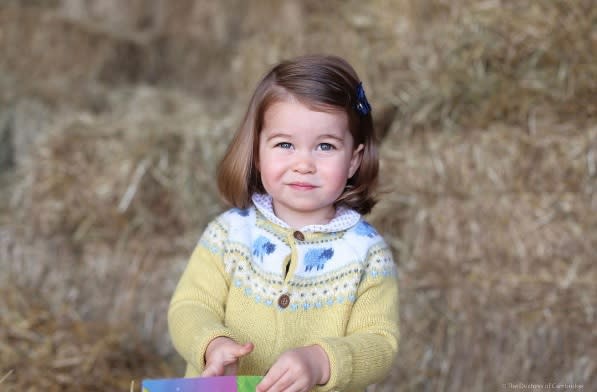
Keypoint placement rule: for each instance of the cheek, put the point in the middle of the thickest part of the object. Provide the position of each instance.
(337, 173)
(269, 168)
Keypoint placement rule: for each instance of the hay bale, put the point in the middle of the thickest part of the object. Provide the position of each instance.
(131, 17)
(128, 283)
(496, 234)
(38, 46)
(6, 144)
(141, 170)
(470, 63)
(57, 351)
(358, 32)
(184, 44)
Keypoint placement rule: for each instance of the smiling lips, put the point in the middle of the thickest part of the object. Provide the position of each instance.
(302, 186)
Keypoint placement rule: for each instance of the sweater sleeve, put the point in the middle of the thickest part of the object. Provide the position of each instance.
(366, 354)
(196, 311)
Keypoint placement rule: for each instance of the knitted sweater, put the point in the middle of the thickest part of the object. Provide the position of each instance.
(252, 278)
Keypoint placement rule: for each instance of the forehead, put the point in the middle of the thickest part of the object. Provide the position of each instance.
(292, 115)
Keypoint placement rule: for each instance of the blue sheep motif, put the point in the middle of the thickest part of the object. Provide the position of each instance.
(365, 229)
(317, 258)
(262, 246)
(241, 212)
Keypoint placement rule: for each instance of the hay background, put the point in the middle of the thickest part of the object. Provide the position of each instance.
(113, 116)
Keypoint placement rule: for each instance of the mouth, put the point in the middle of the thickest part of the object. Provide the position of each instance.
(302, 186)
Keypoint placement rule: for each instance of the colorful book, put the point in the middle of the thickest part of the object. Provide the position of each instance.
(203, 384)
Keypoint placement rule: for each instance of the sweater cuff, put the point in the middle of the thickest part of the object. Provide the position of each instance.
(340, 358)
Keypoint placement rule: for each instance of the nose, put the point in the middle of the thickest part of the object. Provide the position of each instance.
(303, 163)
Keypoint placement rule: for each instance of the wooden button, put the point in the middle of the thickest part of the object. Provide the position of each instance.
(299, 236)
(284, 301)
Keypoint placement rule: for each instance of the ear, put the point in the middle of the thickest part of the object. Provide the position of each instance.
(355, 160)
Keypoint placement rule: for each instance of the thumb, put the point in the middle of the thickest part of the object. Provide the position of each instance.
(244, 349)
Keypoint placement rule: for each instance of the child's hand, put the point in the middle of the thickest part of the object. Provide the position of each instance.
(222, 355)
(297, 370)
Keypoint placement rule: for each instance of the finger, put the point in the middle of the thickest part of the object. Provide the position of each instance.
(286, 383)
(244, 349)
(271, 377)
(233, 353)
(213, 369)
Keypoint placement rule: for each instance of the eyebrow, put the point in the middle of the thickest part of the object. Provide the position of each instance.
(287, 136)
(278, 135)
(330, 136)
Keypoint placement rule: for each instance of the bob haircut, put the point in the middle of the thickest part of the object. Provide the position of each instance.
(323, 83)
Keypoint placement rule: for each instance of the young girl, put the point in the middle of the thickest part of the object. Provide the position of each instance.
(292, 283)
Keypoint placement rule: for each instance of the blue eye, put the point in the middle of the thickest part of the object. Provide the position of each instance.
(326, 147)
(285, 145)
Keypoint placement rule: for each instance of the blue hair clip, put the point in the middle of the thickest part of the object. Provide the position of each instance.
(362, 105)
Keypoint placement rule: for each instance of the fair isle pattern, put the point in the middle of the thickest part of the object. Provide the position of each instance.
(338, 288)
(328, 266)
(380, 263)
(214, 237)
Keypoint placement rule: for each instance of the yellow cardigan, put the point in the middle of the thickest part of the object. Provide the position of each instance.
(254, 279)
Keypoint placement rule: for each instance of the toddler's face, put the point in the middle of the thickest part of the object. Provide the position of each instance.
(305, 159)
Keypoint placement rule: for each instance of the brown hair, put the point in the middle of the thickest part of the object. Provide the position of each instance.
(321, 82)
